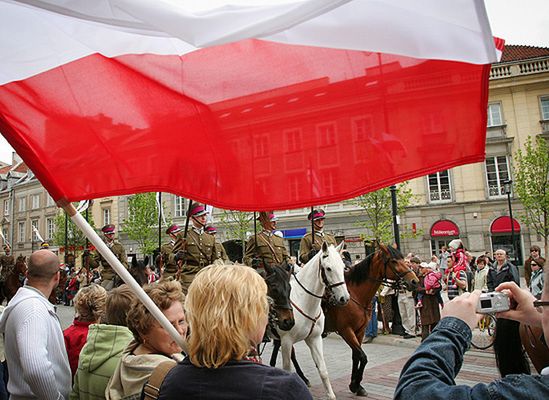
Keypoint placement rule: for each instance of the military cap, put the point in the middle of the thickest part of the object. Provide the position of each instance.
(267, 216)
(197, 210)
(316, 214)
(108, 229)
(173, 229)
(210, 229)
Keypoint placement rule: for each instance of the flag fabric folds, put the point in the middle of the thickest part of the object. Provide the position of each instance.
(272, 105)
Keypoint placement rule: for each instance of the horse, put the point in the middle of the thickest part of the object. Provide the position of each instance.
(363, 280)
(323, 271)
(16, 277)
(137, 270)
(281, 313)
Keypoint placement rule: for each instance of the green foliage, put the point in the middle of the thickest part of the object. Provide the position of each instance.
(237, 224)
(531, 185)
(76, 240)
(142, 222)
(377, 211)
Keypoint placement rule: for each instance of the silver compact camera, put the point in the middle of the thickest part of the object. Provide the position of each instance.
(493, 302)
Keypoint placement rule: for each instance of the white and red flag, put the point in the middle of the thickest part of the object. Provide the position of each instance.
(250, 105)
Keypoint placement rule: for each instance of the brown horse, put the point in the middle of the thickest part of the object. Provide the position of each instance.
(386, 265)
(16, 277)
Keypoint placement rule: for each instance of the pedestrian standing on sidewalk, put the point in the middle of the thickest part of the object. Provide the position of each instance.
(406, 304)
(35, 352)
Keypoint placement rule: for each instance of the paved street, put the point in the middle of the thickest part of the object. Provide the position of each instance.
(386, 356)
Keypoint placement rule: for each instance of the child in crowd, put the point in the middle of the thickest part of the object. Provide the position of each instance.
(431, 282)
(89, 306)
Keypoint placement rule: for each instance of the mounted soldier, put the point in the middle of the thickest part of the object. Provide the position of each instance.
(108, 276)
(265, 247)
(169, 264)
(197, 249)
(309, 247)
(219, 249)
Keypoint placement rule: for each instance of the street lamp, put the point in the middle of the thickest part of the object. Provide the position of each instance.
(507, 187)
(395, 215)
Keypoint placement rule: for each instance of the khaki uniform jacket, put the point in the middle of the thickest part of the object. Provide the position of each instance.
(220, 252)
(270, 249)
(306, 244)
(97, 260)
(168, 258)
(199, 250)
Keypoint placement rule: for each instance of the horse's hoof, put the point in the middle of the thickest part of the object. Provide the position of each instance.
(358, 390)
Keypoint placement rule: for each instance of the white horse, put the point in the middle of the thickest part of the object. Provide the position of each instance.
(323, 271)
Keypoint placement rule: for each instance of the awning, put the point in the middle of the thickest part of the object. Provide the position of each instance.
(503, 225)
(294, 233)
(444, 227)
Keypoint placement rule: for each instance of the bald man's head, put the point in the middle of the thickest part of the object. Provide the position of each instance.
(43, 265)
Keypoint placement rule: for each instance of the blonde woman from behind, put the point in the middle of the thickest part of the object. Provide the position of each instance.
(227, 311)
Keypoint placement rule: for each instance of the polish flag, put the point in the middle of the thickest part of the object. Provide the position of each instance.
(250, 105)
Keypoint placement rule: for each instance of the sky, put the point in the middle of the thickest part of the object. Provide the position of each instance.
(524, 22)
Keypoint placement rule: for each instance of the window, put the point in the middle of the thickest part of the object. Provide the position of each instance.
(497, 171)
(494, 115)
(327, 134)
(6, 207)
(439, 187)
(21, 232)
(544, 103)
(49, 200)
(106, 216)
(261, 146)
(292, 140)
(50, 228)
(362, 128)
(34, 228)
(5, 232)
(35, 201)
(22, 204)
(179, 206)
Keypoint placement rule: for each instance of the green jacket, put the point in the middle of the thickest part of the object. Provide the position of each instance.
(168, 258)
(306, 244)
(98, 360)
(270, 249)
(97, 260)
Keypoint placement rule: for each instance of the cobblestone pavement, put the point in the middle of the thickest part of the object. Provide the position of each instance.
(386, 357)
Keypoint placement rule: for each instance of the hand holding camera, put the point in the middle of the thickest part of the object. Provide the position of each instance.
(522, 305)
(493, 302)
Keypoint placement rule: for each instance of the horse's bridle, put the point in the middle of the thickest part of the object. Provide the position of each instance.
(387, 281)
(327, 284)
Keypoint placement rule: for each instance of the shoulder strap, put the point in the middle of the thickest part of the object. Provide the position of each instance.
(151, 390)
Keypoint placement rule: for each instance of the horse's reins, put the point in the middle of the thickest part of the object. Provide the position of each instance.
(327, 286)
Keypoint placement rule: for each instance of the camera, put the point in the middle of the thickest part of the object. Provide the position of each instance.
(493, 302)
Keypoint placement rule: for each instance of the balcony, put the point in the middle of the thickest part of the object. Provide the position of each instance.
(440, 196)
(544, 126)
(527, 67)
(496, 132)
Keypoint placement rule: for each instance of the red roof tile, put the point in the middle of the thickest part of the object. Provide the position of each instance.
(21, 168)
(514, 52)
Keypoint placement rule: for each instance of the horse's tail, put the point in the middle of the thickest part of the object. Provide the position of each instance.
(510, 355)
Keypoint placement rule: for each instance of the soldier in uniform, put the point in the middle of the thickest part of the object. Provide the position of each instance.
(219, 249)
(107, 273)
(169, 264)
(270, 248)
(197, 250)
(7, 262)
(308, 248)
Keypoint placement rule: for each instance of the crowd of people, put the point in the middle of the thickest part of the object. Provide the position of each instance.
(449, 274)
(115, 348)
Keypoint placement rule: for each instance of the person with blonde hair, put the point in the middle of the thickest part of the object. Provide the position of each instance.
(227, 310)
(152, 344)
(89, 306)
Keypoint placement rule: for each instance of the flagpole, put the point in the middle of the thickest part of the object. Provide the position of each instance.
(121, 271)
(159, 222)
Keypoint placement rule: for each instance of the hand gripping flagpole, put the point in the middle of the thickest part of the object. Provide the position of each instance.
(121, 271)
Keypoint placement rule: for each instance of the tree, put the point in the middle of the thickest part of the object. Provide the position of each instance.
(237, 224)
(377, 210)
(531, 186)
(76, 240)
(142, 221)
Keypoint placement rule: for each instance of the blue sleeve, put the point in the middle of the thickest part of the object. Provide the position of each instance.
(431, 371)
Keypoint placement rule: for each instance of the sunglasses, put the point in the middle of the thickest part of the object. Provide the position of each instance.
(533, 264)
(539, 304)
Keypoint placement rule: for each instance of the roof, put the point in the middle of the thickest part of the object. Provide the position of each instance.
(513, 52)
